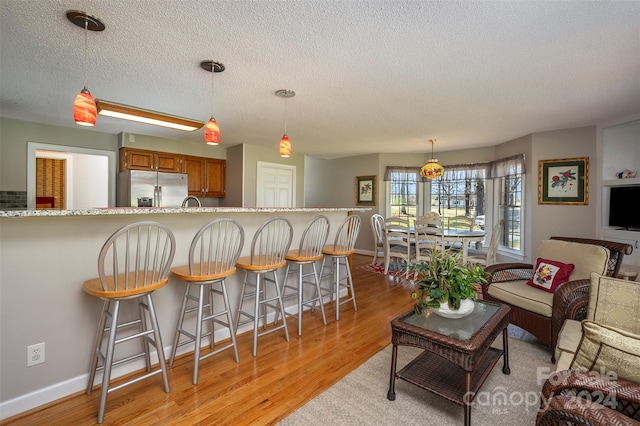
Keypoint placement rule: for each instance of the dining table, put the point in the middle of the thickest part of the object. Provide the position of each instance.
(462, 236)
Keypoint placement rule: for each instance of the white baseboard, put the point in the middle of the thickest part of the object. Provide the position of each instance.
(68, 387)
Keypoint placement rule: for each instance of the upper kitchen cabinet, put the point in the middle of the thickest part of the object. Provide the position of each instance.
(206, 176)
(138, 159)
(215, 172)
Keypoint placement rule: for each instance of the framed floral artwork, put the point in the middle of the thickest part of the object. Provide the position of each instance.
(564, 181)
(366, 190)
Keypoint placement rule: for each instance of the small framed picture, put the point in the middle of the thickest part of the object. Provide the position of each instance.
(366, 190)
(564, 181)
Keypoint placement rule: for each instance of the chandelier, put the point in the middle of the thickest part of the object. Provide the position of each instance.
(432, 169)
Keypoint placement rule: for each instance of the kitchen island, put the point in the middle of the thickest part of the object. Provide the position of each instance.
(46, 255)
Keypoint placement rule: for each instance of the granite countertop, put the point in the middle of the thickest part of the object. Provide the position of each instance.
(171, 210)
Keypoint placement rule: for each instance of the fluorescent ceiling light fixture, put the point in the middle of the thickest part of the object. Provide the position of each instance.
(127, 112)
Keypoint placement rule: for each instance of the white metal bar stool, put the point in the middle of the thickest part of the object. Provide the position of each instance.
(339, 253)
(133, 263)
(213, 255)
(268, 250)
(310, 250)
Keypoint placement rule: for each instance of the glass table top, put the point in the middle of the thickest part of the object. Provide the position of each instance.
(461, 328)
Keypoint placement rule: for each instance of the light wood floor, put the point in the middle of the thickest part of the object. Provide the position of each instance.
(257, 391)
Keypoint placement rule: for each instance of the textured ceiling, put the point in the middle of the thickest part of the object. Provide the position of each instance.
(369, 76)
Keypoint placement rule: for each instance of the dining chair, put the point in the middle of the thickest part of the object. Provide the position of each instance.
(460, 222)
(132, 264)
(213, 254)
(428, 236)
(269, 248)
(398, 242)
(492, 251)
(377, 226)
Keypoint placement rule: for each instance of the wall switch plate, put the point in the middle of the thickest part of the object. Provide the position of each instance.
(35, 354)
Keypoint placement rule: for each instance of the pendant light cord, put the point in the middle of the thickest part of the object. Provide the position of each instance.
(285, 115)
(86, 30)
(213, 70)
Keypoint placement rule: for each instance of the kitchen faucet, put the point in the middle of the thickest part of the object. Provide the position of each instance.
(185, 202)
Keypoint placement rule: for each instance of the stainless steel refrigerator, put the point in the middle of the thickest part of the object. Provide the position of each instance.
(138, 188)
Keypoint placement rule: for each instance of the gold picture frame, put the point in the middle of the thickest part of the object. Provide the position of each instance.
(563, 181)
(366, 189)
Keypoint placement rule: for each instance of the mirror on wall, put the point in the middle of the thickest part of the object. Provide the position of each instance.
(66, 177)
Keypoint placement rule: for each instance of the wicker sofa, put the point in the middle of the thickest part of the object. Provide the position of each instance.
(597, 379)
(539, 312)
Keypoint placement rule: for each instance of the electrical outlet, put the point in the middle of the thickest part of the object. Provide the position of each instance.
(35, 354)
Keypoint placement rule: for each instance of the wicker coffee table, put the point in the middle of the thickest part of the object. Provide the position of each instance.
(464, 342)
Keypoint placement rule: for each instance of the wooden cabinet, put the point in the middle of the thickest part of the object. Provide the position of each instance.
(206, 176)
(138, 159)
(194, 167)
(214, 177)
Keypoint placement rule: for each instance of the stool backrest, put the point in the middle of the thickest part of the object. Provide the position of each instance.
(216, 247)
(314, 237)
(347, 234)
(271, 242)
(139, 255)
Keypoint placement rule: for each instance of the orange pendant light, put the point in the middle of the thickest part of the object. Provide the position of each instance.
(285, 143)
(212, 130)
(84, 109)
(432, 169)
(285, 147)
(84, 106)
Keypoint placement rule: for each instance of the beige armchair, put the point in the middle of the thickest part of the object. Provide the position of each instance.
(542, 313)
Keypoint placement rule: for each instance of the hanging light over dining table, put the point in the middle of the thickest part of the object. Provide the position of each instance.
(432, 169)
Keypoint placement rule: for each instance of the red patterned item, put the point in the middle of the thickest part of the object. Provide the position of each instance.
(549, 274)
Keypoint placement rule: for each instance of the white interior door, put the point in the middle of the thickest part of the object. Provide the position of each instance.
(275, 186)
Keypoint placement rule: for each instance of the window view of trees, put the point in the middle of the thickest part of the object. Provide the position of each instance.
(509, 205)
(465, 197)
(462, 191)
(404, 195)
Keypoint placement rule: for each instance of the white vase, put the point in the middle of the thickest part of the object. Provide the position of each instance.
(466, 307)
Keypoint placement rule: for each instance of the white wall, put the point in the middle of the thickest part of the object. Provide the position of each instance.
(566, 220)
(14, 135)
(44, 262)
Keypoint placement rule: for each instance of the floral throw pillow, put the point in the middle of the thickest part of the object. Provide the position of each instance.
(549, 274)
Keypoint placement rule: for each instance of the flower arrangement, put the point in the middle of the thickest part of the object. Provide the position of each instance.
(444, 279)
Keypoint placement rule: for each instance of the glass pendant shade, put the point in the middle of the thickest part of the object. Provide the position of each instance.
(84, 109)
(212, 132)
(285, 146)
(432, 169)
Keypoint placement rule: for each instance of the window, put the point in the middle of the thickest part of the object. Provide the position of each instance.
(509, 174)
(509, 208)
(461, 191)
(403, 197)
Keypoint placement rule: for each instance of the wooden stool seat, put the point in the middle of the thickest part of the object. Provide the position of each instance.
(138, 256)
(338, 254)
(308, 252)
(213, 253)
(268, 250)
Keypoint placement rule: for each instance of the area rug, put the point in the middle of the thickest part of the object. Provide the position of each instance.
(378, 268)
(400, 276)
(361, 397)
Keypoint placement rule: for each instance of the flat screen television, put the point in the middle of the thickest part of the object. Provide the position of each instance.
(624, 203)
